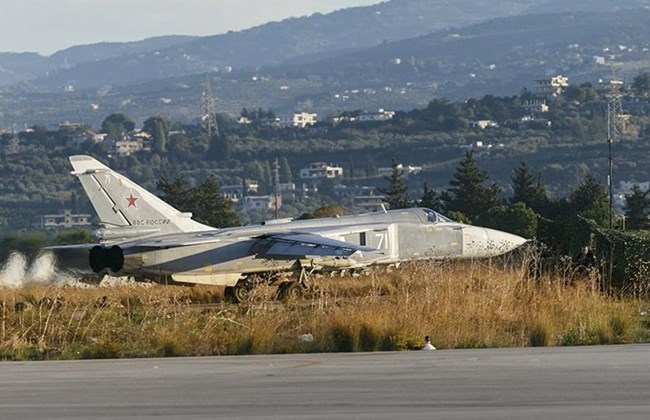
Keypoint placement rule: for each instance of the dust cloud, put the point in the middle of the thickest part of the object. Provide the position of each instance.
(17, 271)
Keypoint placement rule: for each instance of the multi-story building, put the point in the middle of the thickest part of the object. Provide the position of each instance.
(406, 170)
(320, 170)
(63, 220)
(303, 119)
(264, 202)
(553, 86)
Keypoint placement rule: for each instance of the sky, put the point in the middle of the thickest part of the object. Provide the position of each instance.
(47, 26)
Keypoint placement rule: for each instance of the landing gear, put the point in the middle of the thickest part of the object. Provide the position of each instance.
(238, 293)
(290, 291)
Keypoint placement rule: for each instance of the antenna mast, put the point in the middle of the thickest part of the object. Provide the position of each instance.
(276, 189)
(614, 131)
(209, 116)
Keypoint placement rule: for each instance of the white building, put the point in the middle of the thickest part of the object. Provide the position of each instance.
(381, 115)
(236, 192)
(264, 202)
(320, 170)
(65, 220)
(128, 147)
(483, 124)
(553, 86)
(406, 170)
(351, 191)
(536, 106)
(304, 119)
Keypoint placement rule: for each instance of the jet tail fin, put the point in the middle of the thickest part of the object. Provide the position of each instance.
(124, 208)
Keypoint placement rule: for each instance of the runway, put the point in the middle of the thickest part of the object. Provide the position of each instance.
(577, 382)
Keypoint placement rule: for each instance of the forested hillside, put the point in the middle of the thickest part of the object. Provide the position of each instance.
(497, 57)
(562, 145)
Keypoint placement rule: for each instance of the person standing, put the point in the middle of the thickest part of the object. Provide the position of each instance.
(585, 261)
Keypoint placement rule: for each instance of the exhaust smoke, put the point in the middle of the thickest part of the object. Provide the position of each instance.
(17, 271)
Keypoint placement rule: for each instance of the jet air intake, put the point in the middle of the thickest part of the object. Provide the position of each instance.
(102, 258)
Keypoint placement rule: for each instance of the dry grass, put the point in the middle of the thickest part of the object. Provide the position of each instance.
(460, 305)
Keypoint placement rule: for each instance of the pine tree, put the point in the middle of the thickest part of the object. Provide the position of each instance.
(158, 127)
(641, 85)
(396, 193)
(590, 200)
(467, 194)
(219, 149)
(210, 207)
(528, 187)
(637, 207)
(174, 192)
(204, 202)
(285, 170)
(429, 199)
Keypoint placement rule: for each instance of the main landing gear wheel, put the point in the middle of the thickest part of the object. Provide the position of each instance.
(237, 294)
(290, 291)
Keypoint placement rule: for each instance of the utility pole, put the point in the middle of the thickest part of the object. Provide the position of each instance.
(614, 112)
(209, 116)
(276, 188)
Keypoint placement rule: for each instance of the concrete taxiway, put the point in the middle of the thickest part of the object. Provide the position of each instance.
(578, 382)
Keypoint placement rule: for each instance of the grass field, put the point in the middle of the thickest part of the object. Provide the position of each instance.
(492, 303)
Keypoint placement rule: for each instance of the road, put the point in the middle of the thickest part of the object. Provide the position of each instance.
(601, 382)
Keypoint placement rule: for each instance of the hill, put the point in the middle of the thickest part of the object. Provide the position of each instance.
(389, 55)
(276, 42)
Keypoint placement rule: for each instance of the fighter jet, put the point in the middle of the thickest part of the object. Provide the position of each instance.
(143, 237)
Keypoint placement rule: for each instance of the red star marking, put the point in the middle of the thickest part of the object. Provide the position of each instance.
(131, 199)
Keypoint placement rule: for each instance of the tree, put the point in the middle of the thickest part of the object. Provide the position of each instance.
(180, 147)
(205, 202)
(210, 207)
(158, 127)
(117, 125)
(285, 170)
(220, 149)
(429, 199)
(583, 93)
(256, 170)
(467, 194)
(176, 192)
(641, 85)
(589, 200)
(396, 192)
(27, 243)
(637, 207)
(69, 237)
(528, 187)
(517, 219)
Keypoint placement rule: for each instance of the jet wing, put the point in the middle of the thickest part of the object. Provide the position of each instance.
(317, 235)
(301, 245)
(330, 231)
(284, 245)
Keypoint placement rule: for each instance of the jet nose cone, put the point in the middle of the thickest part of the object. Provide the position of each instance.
(503, 241)
(481, 242)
